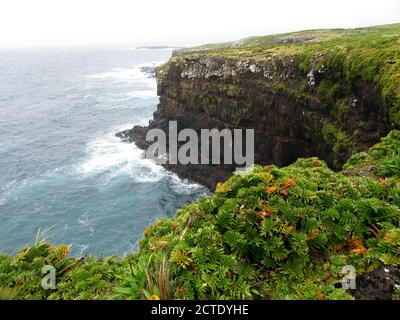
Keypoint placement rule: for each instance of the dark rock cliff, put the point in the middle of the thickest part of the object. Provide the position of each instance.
(298, 107)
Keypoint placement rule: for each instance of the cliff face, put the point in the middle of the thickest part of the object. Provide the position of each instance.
(302, 99)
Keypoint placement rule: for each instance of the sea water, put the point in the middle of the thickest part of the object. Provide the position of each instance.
(61, 166)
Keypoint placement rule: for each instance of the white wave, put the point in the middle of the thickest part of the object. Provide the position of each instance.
(185, 186)
(109, 154)
(84, 220)
(82, 249)
(145, 86)
(11, 190)
(6, 192)
(131, 74)
(134, 74)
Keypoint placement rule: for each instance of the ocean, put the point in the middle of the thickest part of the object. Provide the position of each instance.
(61, 167)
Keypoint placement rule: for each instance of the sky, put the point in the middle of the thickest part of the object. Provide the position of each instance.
(55, 23)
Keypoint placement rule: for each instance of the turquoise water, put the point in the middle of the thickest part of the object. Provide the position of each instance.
(61, 165)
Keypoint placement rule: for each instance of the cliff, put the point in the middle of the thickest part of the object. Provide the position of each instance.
(325, 93)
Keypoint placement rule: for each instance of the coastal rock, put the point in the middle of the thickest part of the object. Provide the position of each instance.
(287, 107)
(378, 284)
(150, 72)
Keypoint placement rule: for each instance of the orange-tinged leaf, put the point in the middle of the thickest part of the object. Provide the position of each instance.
(271, 190)
(355, 243)
(381, 180)
(359, 251)
(356, 246)
(316, 163)
(289, 183)
(320, 295)
(266, 213)
(285, 193)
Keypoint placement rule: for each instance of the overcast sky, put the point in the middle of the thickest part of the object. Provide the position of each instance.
(38, 23)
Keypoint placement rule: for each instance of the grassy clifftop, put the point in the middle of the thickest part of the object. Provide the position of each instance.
(367, 54)
(275, 233)
(295, 41)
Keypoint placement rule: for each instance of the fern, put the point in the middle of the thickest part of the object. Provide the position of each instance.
(391, 166)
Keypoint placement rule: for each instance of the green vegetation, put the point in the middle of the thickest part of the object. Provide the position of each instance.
(85, 278)
(341, 143)
(280, 233)
(328, 91)
(272, 233)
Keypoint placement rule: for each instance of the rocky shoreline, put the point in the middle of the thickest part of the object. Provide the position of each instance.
(207, 175)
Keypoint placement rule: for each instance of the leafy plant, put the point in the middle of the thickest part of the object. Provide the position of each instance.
(391, 166)
(282, 232)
